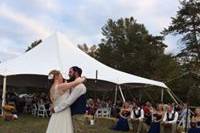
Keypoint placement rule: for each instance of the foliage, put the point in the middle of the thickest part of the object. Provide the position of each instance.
(187, 24)
(34, 44)
(89, 50)
(127, 46)
(187, 87)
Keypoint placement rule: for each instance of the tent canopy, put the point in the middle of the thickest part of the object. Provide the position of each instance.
(57, 52)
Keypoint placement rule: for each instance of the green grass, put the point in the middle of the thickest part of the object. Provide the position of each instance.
(30, 124)
(25, 124)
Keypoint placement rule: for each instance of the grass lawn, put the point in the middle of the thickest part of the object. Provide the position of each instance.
(30, 124)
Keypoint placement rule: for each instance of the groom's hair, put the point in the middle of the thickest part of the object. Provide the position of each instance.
(77, 69)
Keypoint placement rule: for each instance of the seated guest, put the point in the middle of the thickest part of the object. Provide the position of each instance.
(157, 116)
(90, 107)
(170, 118)
(195, 123)
(122, 123)
(137, 117)
(147, 113)
(9, 112)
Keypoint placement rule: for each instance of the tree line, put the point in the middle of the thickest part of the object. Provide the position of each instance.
(128, 46)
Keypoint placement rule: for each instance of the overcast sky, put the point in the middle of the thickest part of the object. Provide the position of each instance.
(24, 21)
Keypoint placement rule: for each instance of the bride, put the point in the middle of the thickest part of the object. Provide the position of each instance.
(60, 122)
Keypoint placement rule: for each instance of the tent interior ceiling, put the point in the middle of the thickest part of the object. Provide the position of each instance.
(41, 81)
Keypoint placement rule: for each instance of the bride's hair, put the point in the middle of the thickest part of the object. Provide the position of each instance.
(53, 73)
(51, 76)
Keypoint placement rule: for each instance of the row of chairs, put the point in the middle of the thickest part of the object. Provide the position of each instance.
(103, 112)
(43, 112)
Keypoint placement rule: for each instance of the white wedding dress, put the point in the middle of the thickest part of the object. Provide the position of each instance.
(60, 122)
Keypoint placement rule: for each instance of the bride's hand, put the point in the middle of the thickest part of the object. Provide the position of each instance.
(81, 79)
(51, 109)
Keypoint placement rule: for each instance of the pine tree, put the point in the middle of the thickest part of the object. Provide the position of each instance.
(187, 24)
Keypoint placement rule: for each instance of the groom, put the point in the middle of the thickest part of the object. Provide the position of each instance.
(76, 101)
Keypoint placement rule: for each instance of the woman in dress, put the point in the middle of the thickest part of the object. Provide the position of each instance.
(195, 123)
(60, 122)
(157, 116)
(122, 123)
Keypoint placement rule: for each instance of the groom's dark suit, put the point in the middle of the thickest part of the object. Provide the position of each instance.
(79, 106)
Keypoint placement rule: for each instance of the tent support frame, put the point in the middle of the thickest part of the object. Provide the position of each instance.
(120, 89)
(116, 93)
(115, 100)
(162, 95)
(4, 93)
(169, 92)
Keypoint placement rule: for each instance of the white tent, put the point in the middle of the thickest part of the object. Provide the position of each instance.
(57, 52)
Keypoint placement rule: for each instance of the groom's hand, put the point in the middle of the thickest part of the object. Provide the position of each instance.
(52, 110)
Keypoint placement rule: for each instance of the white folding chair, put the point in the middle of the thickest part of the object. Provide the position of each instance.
(34, 110)
(27, 108)
(103, 112)
(98, 113)
(42, 111)
(106, 112)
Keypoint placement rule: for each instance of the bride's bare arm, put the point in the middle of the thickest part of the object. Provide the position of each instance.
(51, 99)
(66, 86)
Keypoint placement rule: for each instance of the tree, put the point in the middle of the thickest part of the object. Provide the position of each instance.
(89, 50)
(129, 47)
(187, 87)
(34, 44)
(187, 24)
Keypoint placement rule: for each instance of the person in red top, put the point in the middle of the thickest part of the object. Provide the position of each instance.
(147, 111)
(147, 108)
(147, 115)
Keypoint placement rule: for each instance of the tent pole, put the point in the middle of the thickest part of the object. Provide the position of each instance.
(162, 95)
(115, 100)
(4, 92)
(120, 89)
(178, 99)
(140, 96)
(95, 81)
(172, 96)
(96, 76)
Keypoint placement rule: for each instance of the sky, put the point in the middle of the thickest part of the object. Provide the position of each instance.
(24, 21)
